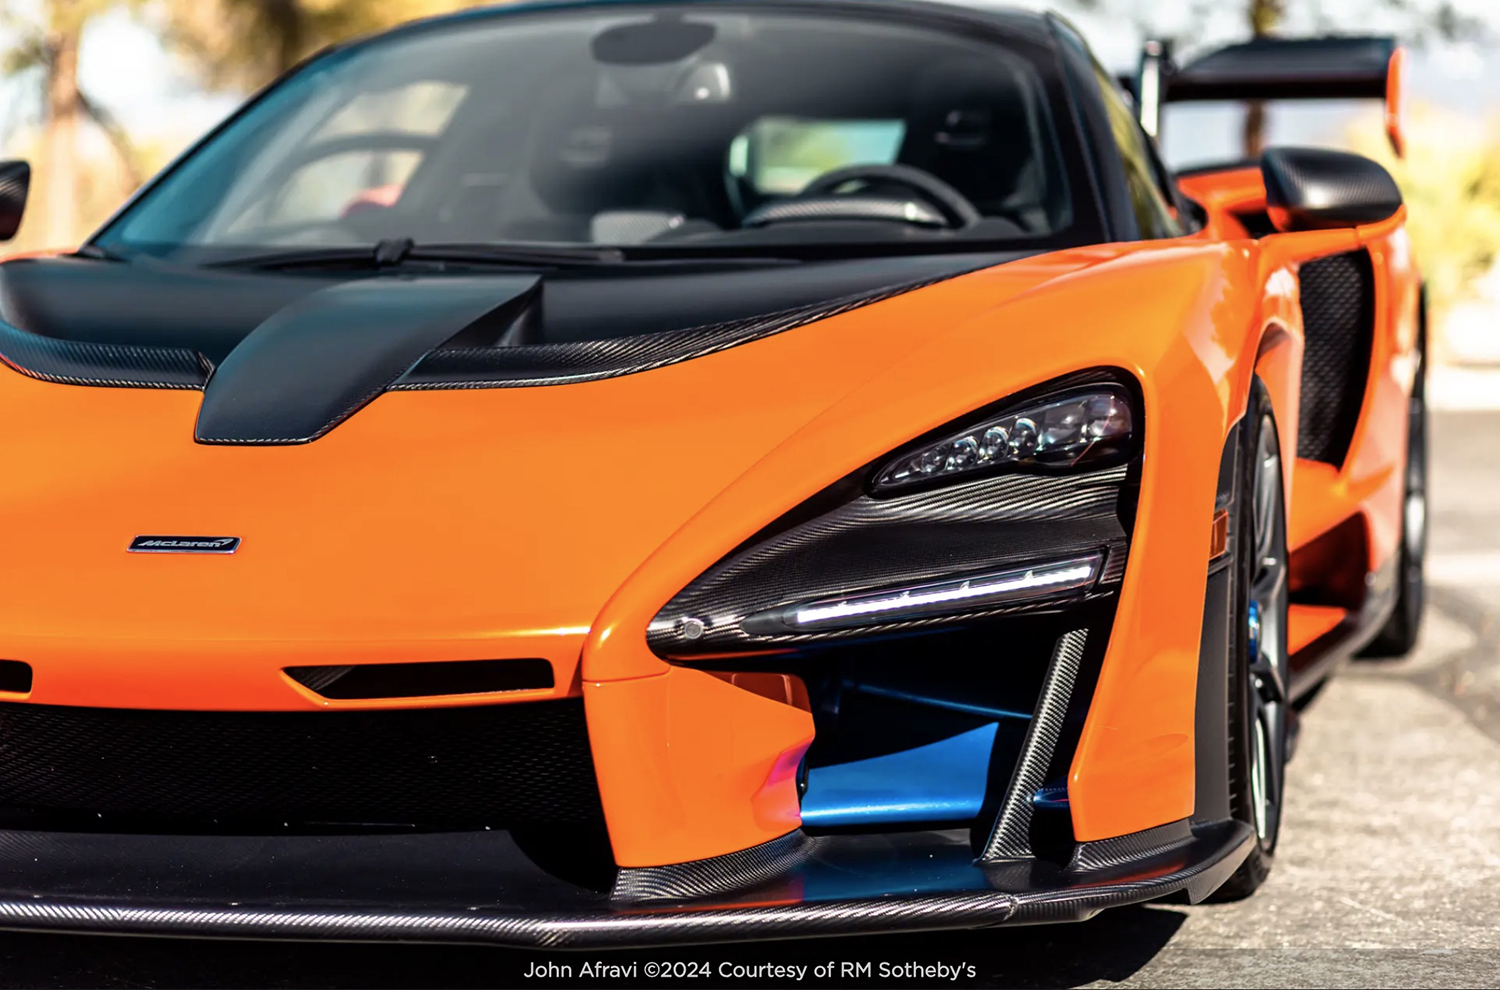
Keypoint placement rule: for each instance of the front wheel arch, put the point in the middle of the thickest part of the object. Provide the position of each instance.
(1256, 670)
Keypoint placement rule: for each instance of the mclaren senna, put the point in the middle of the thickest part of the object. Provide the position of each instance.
(643, 472)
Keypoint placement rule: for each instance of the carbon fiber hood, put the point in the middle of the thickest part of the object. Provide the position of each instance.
(283, 359)
(209, 311)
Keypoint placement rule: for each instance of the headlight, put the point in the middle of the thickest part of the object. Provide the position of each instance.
(1085, 428)
(1038, 527)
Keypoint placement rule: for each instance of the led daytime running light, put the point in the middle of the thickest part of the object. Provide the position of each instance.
(935, 598)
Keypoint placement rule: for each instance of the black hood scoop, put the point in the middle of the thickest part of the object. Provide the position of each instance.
(318, 360)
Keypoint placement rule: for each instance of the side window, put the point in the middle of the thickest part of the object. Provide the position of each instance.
(1152, 211)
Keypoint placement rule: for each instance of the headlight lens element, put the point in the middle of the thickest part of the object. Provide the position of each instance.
(1059, 432)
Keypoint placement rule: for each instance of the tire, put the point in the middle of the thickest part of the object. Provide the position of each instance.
(1399, 634)
(1258, 667)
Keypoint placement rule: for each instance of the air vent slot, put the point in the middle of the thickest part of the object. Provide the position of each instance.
(15, 676)
(423, 680)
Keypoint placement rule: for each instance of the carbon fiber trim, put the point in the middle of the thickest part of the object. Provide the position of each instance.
(15, 183)
(1321, 189)
(592, 930)
(1186, 869)
(1105, 854)
(473, 887)
(139, 366)
(868, 543)
(1338, 312)
(1011, 838)
(721, 874)
(73, 362)
(315, 362)
(586, 361)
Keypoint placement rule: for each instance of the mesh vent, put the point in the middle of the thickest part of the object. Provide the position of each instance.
(1338, 321)
(498, 765)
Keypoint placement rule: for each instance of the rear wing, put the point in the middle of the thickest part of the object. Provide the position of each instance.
(1330, 68)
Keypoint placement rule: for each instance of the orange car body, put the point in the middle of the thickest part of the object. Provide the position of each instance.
(117, 461)
(345, 558)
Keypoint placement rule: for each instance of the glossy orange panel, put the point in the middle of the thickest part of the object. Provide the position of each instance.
(1192, 320)
(1223, 195)
(691, 766)
(1106, 786)
(888, 408)
(1373, 470)
(785, 688)
(1176, 318)
(1368, 482)
(1305, 623)
(1395, 102)
(443, 525)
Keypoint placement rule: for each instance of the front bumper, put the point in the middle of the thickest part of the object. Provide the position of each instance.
(478, 887)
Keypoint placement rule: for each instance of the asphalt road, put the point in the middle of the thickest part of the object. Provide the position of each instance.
(1388, 876)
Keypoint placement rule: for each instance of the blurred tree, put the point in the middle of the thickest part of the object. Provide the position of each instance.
(1264, 17)
(46, 47)
(244, 44)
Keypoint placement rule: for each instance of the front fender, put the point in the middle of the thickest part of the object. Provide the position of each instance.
(1182, 317)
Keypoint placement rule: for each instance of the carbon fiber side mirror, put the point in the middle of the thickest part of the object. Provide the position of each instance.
(1318, 189)
(15, 183)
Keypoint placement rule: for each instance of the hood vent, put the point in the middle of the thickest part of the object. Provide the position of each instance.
(319, 360)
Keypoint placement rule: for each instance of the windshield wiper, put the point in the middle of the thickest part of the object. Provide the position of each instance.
(394, 252)
(98, 253)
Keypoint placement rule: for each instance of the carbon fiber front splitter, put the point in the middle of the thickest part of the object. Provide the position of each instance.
(479, 887)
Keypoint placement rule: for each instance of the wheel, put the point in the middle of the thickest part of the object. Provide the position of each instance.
(1399, 634)
(1258, 672)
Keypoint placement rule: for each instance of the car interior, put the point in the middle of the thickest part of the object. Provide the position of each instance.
(769, 128)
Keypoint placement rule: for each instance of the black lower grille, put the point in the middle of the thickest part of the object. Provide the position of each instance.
(1338, 312)
(497, 765)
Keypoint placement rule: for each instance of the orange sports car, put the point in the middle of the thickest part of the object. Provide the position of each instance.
(613, 472)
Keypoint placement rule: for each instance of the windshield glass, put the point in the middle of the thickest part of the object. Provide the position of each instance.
(629, 127)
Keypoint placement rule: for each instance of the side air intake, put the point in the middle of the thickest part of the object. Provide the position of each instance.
(1338, 315)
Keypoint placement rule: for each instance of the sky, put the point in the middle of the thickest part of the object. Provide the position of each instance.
(156, 97)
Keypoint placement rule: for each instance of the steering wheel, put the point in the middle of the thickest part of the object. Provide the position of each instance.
(941, 206)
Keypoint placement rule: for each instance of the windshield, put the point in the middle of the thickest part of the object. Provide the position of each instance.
(629, 127)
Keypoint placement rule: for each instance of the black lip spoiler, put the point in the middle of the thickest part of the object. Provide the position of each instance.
(477, 887)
